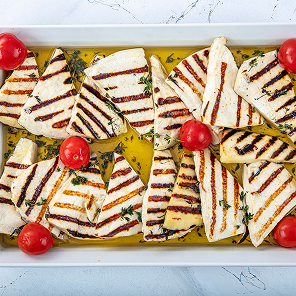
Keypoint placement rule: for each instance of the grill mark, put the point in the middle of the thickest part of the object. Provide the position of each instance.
(41, 186)
(162, 185)
(30, 55)
(229, 134)
(236, 200)
(169, 100)
(157, 172)
(162, 235)
(175, 113)
(79, 194)
(119, 158)
(224, 194)
(284, 88)
(14, 105)
(265, 147)
(206, 53)
(121, 173)
(187, 81)
(289, 116)
(202, 168)
(60, 57)
(94, 184)
(90, 203)
(275, 79)
(92, 170)
(154, 222)
(6, 201)
(61, 124)
(242, 137)
(158, 198)
(280, 150)
(29, 67)
(69, 93)
(266, 69)
(214, 193)
(88, 126)
(249, 147)
(186, 197)
(130, 98)
(69, 80)
(184, 210)
(124, 184)
(10, 115)
(22, 79)
(269, 180)
(76, 128)
(288, 103)
(69, 219)
(272, 198)
(122, 228)
(187, 177)
(48, 76)
(276, 213)
(156, 90)
(142, 123)
(159, 158)
(291, 155)
(17, 165)
(218, 98)
(250, 113)
(205, 109)
(125, 72)
(110, 88)
(93, 91)
(16, 92)
(173, 127)
(95, 120)
(128, 112)
(188, 166)
(12, 177)
(238, 111)
(25, 187)
(78, 234)
(48, 116)
(193, 73)
(187, 184)
(260, 169)
(200, 62)
(5, 187)
(155, 210)
(69, 206)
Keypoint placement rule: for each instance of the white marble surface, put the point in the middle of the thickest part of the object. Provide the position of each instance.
(146, 280)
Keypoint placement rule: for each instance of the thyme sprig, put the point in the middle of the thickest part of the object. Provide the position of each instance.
(148, 81)
(151, 134)
(224, 203)
(130, 211)
(254, 62)
(31, 203)
(111, 105)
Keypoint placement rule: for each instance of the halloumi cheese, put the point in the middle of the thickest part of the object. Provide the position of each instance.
(122, 209)
(266, 85)
(245, 147)
(48, 110)
(75, 208)
(91, 116)
(25, 153)
(220, 198)
(16, 90)
(189, 79)
(34, 189)
(184, 209)
(170, 111)
(157, 197)
(270, 195)
(221, 106)
(120, 77)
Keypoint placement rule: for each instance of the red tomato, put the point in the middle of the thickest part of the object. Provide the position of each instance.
(35, 239)
(287, 55)
(195, 135)
(74, 153)
(13, 52)
(285, 232)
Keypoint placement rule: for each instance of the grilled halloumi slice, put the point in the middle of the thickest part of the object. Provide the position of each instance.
(118, 77)
(184, 209)
(91, 116)
(189, 79)
(221, 106)
(266, 85)
(16, 90)
(246, 147)
(48, 110)
(170, 111)
(270, 195)
(157, 197)
(34, 189)
(220, 198)
(75, 208)
(25, 153)
(122, 209)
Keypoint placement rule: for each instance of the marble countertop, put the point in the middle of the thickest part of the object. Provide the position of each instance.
(146, 280)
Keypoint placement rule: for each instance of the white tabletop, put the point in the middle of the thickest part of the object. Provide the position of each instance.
(146, 280)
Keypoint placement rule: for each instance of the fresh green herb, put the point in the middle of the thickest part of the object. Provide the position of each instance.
(37, 99)
(107, 185)
(139, 216)
(176, 74)
(90, 164)
(130, 211)
(170, 58)
(147, 80)
(237, 226)
(224, 203)
(293, 170)
(247, 218)
(32, 75)
(259, 53)
(78, 65)
(253, 63)
(58, 169)
(253, 110)
(242, 195)
(280, 92)
(244, 208)
(112, 121)
(170, 189)
(29, 94)
(17, 231)
(285, 127)
(30, 203)
(111, 105)
(78, 180)
(151, 134)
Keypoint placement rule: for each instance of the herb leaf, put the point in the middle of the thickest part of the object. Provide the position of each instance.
(224, 203)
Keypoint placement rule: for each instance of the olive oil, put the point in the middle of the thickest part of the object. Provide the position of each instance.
(138, 152)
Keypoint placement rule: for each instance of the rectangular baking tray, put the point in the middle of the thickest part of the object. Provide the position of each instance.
(152, 35)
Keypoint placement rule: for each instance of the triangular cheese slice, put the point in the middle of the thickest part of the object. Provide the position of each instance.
(25, 153)
(265, 84)
(91, 116)
(75, 208)
(122, 209)
(34, 189)
(170, 111)
(17, 89)
(157, 197)
(189, 79)
(221, 106)
(48, 110)
(184, 209)
(270, 195)
(220, 198)
(245, 147)
(120, 77)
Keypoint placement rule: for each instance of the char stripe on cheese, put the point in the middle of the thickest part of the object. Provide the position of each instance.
(122, 228)
(60, 57)
(200, 62)
(260, 169)
(19, 166)
(127, 112)
(48, 116)
(276, 78)
(80, 235)
(61, 124)
(168, 100)
(6, 201)
(263, 71)
(70, 219)
(184, 210)
(193, 73)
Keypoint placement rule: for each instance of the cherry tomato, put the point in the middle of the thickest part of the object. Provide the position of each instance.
(35, 239)
(74, 153)
(287, 55)
(13, 52)
(285, 232)
(195, 135)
